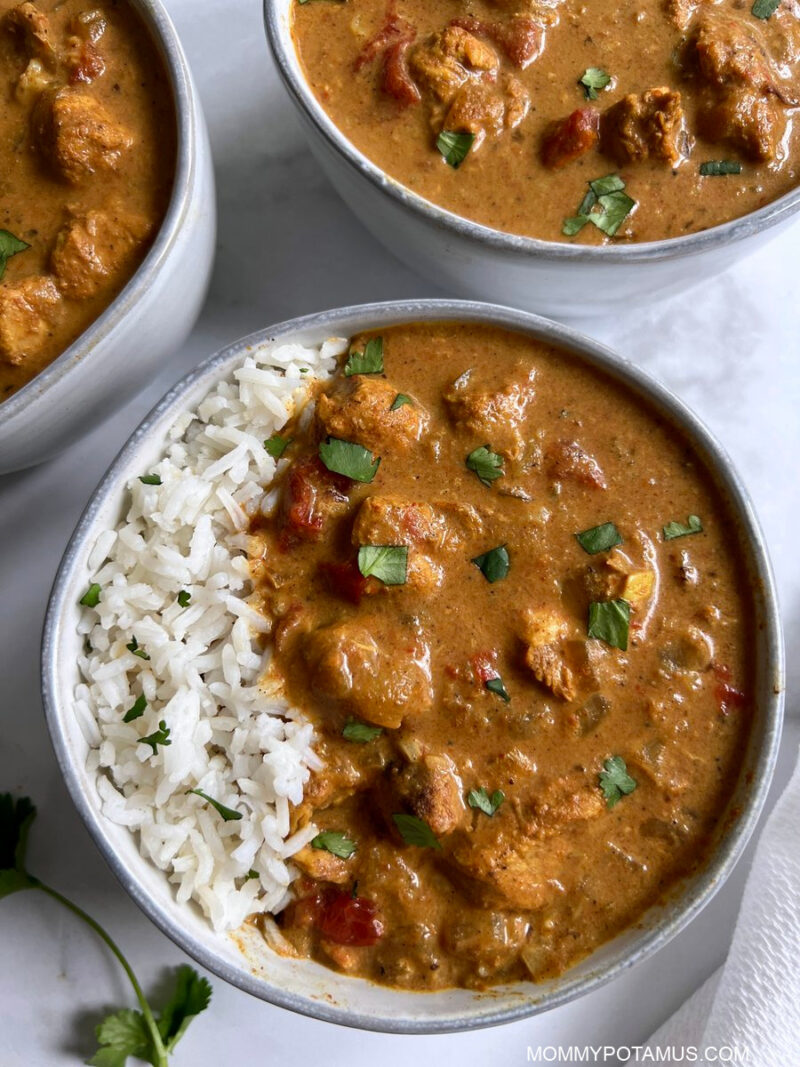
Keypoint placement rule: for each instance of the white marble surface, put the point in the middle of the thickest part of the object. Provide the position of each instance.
(287, 246)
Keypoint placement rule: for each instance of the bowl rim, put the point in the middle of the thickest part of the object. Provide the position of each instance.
(278, 31)
(689, 899)
(165, 38)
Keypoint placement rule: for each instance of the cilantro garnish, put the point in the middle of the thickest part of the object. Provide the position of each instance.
(615, 781)
(347, 458)
(150, 479)
(228, 814)
(480, 799)
(387, 563)
(400, 400)
(123, 1033)
(183, 598)
(133, 646)
(157, 737)
(276, 445)
(592, 79)
(495, 685)
(415, 831)
(91, 598)
(454, 147)
(605, 205)
(370, 361)
(677, 529)
(715, 167)
(599, 538)
(764, 9)
(137, 711)
(338, 844)
(609, 621)
(486, 464)
(9, 246)
(493, 564)
(360, 732)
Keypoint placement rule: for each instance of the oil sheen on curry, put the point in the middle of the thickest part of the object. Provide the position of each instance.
(510, 599)
(505, 111)
(87, 159)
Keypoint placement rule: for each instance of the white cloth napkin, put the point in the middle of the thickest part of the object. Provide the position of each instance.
(752, 1003)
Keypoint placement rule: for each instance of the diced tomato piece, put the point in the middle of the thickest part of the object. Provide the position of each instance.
(484, 666)
(570, 138)
(348, 920)
(397, 80)
(521, 39)
(87, 65)
(345, 580)
(393, 30)
(311, 491)
(728, 697)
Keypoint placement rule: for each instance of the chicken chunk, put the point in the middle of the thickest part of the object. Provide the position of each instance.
(312, 497)
(93, 250)
(433, 791)
(27, 313)
(494, 414)
(321, 865)
(361, 411)
(376, 670)
(31, 29)
(76, 135)
(619, 576)
(567, 460)
(543, 633)
(485, 110)
(646, 126)
(743, 93)
(521, 38)
(445, 62)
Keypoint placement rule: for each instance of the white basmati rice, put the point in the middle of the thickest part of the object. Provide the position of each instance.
(237, 742)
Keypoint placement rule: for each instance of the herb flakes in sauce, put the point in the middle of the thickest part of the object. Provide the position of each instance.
(609, 621)
(480, 799)
(486, 464)
(497, 686)
(370, 361)
(91, 598)
(387, 563)
(338, 844)
(349, 459)
(493, 564)
(677, 529)
(137, 710)
(415, 831)
(713, 168)
(454, 146)
(593, 79)
(9, 246)
(615, 781)
(360, 732)
(599, 538)
(228, 814)
(276, 445)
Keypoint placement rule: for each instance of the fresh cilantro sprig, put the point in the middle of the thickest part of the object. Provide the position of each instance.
(126, 1032)
(615, 782)
(9, 246)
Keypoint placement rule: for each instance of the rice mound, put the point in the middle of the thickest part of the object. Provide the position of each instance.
(237, 741)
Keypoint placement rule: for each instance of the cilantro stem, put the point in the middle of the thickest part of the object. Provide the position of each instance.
(155, 1036)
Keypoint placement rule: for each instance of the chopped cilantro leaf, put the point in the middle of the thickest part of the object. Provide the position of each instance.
(133, 646)
(370, 361)
(228, 814)
(137, 710)
(387, 563)
(349, 459)
(592, 79)
(336, 843)
(158, 737)
(677, 529)
(715, 167)
(615, 781)
(480, 799)
(400, 400)
(150, 479)
(183, 598)
(9, 246)
(454, 146)
(496, 686)
(599, 538)
(493, 564)
(360, 732)
(91, 598)
(415, 831)
(486, 464)
(276, 445)
(609, 621)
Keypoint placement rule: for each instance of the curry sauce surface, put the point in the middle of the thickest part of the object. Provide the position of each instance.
(557, 869)
(507, 181)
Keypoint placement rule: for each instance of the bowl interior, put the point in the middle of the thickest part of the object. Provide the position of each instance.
(305, 986)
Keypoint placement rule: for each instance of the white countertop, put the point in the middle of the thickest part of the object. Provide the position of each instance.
(287, 245)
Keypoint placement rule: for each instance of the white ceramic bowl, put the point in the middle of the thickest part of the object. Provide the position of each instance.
(554, 278)
(303, 985)
(152, 315)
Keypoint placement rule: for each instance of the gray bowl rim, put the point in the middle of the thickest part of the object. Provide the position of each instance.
(697, 891)
(512, 244)
(185, 101)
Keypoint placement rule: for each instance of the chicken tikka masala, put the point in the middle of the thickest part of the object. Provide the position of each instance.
(87, 159)
(566, 119)
(510, 598)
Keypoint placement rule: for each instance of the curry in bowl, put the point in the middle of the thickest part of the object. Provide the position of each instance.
(427, 654)
(87, 146)
(562, 120)
(510, 600)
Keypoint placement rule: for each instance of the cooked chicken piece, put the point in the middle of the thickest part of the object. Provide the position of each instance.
(377, 672)
(76, 135)
(521, 37)
(445, 62)
(322, 865)
(648, 126)
(361, 411)
(31, 29)
(496, 415)
(543, 633)
(567, 460)
(618, 576)
(433, 791)
(485, 109)
(93, 250)
(27, 312)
